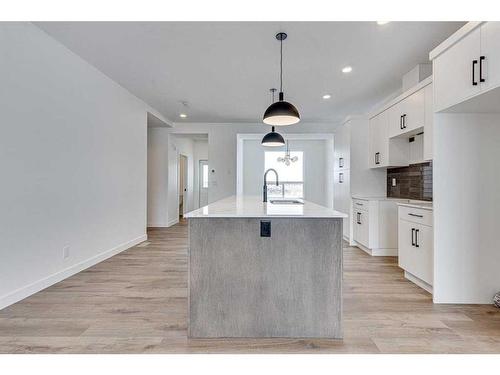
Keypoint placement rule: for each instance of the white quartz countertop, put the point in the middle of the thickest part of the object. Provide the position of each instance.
(245, 206)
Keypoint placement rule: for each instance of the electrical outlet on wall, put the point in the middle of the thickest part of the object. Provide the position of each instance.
(65, 252)
(393, 181)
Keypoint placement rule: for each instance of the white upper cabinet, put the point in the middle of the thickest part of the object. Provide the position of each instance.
(407, 115)
(456, 73)
(429, 123)
(342, 148)
(467, 65)
(378, 140)
(490, 55)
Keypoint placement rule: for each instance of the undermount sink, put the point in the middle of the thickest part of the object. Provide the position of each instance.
(285, 201)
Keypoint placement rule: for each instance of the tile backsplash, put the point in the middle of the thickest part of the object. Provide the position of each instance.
(412, 182)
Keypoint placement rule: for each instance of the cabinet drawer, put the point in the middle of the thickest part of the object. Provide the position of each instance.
(360, 204)
(415, 215)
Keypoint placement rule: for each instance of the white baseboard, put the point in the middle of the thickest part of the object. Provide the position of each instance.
(378, 252)
(172, 222)
(157, 225)
(41, 284)
(421, 283)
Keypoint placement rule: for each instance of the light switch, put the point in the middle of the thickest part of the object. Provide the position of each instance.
(393, 182)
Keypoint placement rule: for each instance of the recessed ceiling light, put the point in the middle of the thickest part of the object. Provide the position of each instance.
(347, 69)
(183, 115)
(382, 22)
(327, 96)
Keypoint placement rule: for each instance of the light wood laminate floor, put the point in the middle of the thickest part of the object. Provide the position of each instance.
(136, 302)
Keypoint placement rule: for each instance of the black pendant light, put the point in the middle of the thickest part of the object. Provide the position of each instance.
(273, 139)
(281, 113)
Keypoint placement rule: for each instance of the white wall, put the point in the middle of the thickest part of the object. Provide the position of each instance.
(73, 162)
(466, 179)
(200, 153)
(157, 177)
(222, 149)
(316, 166)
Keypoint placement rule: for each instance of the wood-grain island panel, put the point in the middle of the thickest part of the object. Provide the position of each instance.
(245, 285)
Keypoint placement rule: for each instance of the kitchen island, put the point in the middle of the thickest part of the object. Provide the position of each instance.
(265, 269)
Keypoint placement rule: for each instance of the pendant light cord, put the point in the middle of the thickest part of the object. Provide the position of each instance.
(281, 65)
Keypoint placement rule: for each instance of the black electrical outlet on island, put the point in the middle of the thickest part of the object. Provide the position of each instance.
(265, 228)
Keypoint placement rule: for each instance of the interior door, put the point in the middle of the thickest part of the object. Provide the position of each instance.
(182, 184)
(203, 182)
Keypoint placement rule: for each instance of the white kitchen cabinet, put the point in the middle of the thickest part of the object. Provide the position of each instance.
(453, 72)
(385, 152)
(341, 196)
(375, 223)
(467, 65)
(378, 140)
(342, 148)
(415, 245)
(429, 124)
(407, 115)
(490, 53)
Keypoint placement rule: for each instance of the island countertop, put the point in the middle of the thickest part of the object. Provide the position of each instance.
(248, 206)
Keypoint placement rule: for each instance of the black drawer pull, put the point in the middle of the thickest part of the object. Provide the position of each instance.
(481, 59)
(412, 236)
(359, 204)
(415, 215)
(416, 237)
(474, 83)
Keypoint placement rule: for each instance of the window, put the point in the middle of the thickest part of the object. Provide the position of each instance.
(204, 176)
(291, 177)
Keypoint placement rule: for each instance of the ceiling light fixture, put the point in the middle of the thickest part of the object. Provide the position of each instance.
(281, 113)
(183, 115)
(382, 22)
(272, 139)
(287, 159)
(327, 96)
(347, 69)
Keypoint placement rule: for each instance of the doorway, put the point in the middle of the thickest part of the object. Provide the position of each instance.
(203, 183)
(183, 174)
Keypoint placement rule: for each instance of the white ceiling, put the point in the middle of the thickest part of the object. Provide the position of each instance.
(224, 69)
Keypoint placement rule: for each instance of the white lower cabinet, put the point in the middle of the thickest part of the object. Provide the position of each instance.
(415, 243)
(374, 224)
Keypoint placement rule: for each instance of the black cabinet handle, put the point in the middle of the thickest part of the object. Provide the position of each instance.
(415, 215)
(341, 162)
(481, 59)
(412, 236)
(416, 237)
(341, 178)
(358, 218)
(404, 121)
(401, 122)
(377, 158)
(474, 62)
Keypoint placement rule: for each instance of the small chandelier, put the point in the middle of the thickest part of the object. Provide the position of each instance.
(287, 159)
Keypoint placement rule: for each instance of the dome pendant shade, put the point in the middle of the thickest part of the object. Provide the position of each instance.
(273, 139)
(281, 113)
